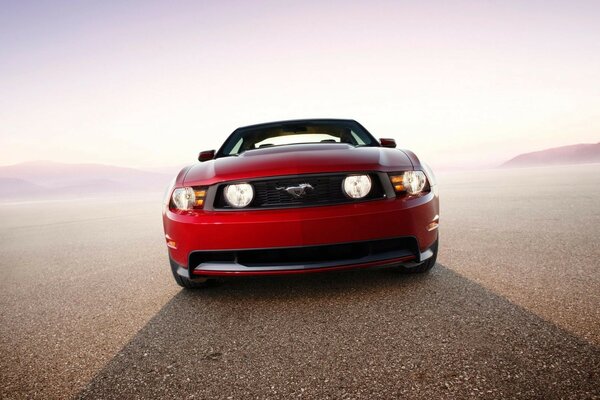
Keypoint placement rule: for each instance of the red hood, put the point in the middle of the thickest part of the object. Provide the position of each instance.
(298, 159)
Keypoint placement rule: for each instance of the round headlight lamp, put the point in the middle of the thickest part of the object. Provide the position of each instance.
(183, 198)
(238, 195)
(357, 186)
(414, 182)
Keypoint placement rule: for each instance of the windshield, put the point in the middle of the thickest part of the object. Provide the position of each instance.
(296, 132)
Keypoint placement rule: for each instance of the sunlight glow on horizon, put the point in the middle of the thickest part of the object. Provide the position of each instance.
(137, 84)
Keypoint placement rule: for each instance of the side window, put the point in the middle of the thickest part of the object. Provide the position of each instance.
(357, 138)
(236, 148)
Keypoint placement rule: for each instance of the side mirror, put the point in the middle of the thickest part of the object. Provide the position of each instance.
(387, 142)
(206, 155)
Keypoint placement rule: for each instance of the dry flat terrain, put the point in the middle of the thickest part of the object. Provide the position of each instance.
(88, 308)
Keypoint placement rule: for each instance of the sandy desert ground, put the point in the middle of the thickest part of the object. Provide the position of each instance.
(88, 308)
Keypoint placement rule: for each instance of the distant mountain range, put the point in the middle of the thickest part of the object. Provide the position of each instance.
(47, 179)
(574, 154)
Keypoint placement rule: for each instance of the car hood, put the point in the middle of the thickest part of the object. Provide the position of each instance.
(298, 159)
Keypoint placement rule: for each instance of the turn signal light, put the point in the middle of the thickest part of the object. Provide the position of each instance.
(170, 242)
(433, 224)
(398, 182)
(199, 198)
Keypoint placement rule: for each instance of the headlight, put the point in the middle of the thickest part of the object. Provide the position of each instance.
(414, 182)
(188, 198)
(239, 195)
(357, 186)
(410, 182)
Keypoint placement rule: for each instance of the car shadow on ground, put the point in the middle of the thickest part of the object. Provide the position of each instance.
(357, 334)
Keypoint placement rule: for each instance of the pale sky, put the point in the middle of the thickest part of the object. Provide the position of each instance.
(150, 84)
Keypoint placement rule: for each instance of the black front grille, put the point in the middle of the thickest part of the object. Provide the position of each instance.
(327, 189)
(309, 255)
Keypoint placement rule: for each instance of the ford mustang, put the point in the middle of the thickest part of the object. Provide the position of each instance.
(301, 196)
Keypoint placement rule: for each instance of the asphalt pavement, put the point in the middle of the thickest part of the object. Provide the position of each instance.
(88, 308)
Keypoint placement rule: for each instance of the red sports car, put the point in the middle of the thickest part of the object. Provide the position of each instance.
(301, 196)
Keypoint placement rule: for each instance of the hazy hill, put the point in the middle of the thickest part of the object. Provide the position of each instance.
(10, 187)
(59, 179)
(574, 154)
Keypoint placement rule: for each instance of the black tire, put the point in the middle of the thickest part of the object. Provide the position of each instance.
(425, 266)
(187, 283)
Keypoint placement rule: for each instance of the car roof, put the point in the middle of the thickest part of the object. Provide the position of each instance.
(297, 121)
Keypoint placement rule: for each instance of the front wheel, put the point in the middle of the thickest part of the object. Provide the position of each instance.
(426, 265)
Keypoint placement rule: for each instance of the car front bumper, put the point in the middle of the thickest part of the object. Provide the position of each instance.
(296, 240)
